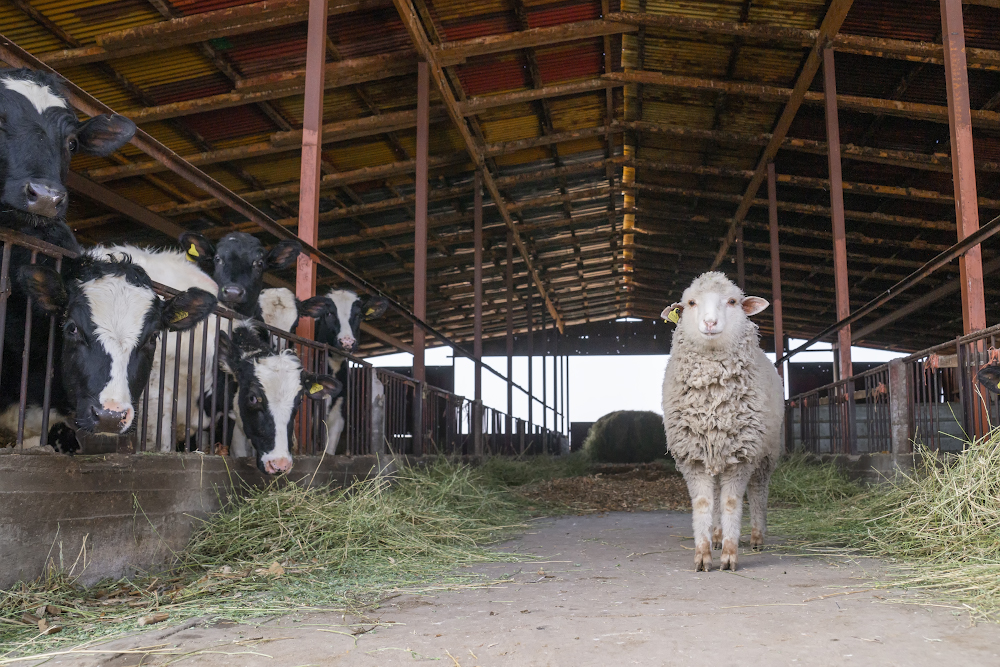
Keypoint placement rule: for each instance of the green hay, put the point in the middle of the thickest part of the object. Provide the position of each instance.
(939, 527)
(503, 472)
(289, 548)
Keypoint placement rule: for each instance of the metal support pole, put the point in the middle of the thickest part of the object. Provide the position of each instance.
(772, 201)
(510, 330)
(741, 267)
(545, 373)
(531, 360)
(420, 219)
(477, 285)
(569, 422)
(963, 164)
(837, 212)
(312, 146)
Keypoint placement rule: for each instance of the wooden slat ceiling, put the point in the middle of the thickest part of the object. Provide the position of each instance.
(589, 116)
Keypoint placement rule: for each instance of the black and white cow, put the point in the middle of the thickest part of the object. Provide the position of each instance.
(110, 320)
(338, 317)
(269, 389)
(237, 264)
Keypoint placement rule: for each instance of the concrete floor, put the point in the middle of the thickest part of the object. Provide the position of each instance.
(614, 589)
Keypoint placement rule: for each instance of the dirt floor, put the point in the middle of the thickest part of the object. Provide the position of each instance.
(607, 590)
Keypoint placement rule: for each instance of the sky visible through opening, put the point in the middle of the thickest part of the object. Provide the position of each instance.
(599, 384)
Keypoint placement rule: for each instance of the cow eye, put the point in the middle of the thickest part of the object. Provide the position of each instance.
(71, 145)
(258, 263)
(71, 328)
(254, 401)
(218, 260)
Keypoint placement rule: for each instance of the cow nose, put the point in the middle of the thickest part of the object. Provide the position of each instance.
(43, 198)
(112, 422)
(233, 293)
(347, 342)
(275, 466)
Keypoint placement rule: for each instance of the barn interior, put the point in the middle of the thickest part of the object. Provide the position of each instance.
(622, 149)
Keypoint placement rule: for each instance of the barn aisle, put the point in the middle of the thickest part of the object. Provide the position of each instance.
(611, 589)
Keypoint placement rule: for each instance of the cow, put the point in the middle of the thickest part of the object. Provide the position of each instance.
(39, 134)
(109, 323)
(338, 317)
(171, 267)
(237, 264)
(269, 387)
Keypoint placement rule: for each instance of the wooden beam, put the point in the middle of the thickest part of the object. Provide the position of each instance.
(126, 207)
(913, 110)
(475, 105)
(924, 52)
(835, 15)
(423, 46)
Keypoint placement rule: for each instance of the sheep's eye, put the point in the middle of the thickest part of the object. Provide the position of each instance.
(732, 302)
(691, 303)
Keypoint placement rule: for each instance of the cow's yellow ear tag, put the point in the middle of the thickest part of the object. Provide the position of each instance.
(369, 312)
(178, 316)
(316, 388)
(674, 315)
(192, 253)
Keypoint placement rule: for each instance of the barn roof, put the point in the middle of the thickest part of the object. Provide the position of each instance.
(622, 137)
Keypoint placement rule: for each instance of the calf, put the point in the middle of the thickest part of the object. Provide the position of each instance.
(172, 268)
(237, 264)
(338, 318)
(110, 320)
(269, 388)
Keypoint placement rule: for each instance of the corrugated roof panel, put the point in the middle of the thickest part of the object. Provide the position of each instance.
(495, 75)
(84, 19)
(24, 32)
(686, 57)
(768, 66)
(580, 60)
(563, 12)
(511, 129)
(897, 19)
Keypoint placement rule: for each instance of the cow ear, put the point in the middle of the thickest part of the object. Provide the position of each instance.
(45, 287)
(754, 304)
(225, 354)
(321, 386)
(188, 309)
(197, 247)
(283, 254)
(103, 135)
(316, 306)
(374, 307)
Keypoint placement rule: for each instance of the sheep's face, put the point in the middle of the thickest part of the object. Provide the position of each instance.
(713, 310)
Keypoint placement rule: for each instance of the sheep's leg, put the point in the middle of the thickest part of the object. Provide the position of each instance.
(734, 485)
(717, 514)
(757, 495)
(701, 487)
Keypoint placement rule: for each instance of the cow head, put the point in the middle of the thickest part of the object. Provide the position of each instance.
(39, 133)
(238, 264)
(339, 314)
(110, 319)
(270, 386)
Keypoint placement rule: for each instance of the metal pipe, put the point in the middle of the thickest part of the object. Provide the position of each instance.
(420, 219)
(977, 237)
(963, 163)
(510, 327)
(837, 212)
(531, 359)
(772, 200)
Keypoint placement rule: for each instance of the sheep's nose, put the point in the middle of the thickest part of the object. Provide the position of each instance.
(710, 323)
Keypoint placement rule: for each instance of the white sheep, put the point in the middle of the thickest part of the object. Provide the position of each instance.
(723, 412)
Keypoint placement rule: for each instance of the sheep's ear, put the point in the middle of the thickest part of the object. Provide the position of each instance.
(754, 304)
(672, 313)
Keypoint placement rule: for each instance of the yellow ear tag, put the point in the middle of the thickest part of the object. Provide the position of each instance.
(674, 315)
(192, 253)
(178, 316)
(316, 388)
(369, 312)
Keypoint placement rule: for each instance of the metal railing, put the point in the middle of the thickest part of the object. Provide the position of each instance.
(384, 412)
(930, 397)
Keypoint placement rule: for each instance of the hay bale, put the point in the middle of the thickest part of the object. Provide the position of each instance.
(627, 436)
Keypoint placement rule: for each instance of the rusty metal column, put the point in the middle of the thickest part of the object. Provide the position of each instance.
(741, 267)
(963, 166)
(312, 146)
(545, 382)
(510, 333)
(531, 360)
(477, 286)
(772, 209)
(837, 212)
(420, 220)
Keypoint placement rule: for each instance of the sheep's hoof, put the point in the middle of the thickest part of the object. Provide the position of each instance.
(702, 558)
(756, 540)
(716, 538)
(728, 555)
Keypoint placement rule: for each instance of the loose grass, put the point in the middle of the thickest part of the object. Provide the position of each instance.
(285, 548)
(939, 527)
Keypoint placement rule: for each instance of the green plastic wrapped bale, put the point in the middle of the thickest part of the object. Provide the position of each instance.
(627, 436)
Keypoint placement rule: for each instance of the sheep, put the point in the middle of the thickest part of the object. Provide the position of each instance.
(723, 412)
